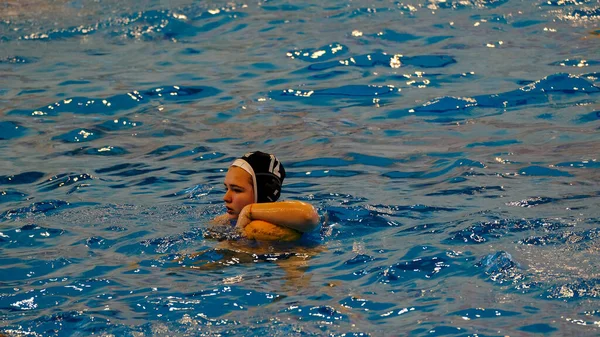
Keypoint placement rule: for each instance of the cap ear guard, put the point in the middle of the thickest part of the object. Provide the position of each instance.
(270, 187)
(268, 175)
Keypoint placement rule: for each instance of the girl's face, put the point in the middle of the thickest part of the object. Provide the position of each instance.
(239, 191)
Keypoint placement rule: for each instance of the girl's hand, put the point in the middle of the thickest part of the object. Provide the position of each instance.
(244, 218)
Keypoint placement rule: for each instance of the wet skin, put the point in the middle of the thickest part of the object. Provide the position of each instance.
(239, 191)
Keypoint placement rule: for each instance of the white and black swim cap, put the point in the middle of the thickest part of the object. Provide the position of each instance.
(267, 174)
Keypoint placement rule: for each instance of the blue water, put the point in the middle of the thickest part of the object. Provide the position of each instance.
(450, 147)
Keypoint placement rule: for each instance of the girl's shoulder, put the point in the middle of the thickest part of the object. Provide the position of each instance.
(221, 220)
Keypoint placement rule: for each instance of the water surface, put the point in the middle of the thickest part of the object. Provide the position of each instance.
(450, 147)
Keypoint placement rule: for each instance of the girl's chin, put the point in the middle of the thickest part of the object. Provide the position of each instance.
(232, 216)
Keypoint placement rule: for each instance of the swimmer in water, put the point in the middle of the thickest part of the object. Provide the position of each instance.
(253, 185)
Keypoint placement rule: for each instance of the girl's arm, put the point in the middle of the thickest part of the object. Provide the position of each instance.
(297, 215)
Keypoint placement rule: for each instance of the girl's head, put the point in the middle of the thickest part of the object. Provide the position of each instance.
(255, 177)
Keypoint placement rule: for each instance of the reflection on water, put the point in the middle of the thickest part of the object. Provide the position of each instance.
(449, 148)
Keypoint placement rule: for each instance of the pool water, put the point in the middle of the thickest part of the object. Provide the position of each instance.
(450, 147)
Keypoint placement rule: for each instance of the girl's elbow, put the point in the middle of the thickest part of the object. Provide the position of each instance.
(312, 220)
(307, 219)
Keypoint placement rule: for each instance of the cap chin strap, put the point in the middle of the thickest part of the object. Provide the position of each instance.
(241, 163)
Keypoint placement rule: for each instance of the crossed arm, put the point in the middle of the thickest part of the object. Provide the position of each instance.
(297, 215)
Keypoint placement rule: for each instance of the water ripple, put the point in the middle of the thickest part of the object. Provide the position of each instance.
(386, 60)
(456, 4)
(500, 268)
(533, 93)
(392, 35)
(44, 207)
(128, 170)
(319, 95)
(17, 60)
(107, 150)
(567, 237)
(79, 136)
(479, 313)
(575, 290)
(119, 124)
(113, 105)
(538, 171)
(11, 130)
(484, 231)
(21, 178)
(320, 54)
(30, 235)
(10, 195)
(147, 25)
(427, 175)
(66, 179)
(33, 269)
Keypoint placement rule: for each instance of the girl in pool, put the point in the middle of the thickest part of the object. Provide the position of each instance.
(253, 185)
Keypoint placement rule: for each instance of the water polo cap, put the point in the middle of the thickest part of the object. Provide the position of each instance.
(267, 174)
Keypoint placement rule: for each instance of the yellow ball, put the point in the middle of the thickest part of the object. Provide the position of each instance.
(266, 231)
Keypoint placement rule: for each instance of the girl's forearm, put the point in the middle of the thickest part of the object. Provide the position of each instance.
(297, 215)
